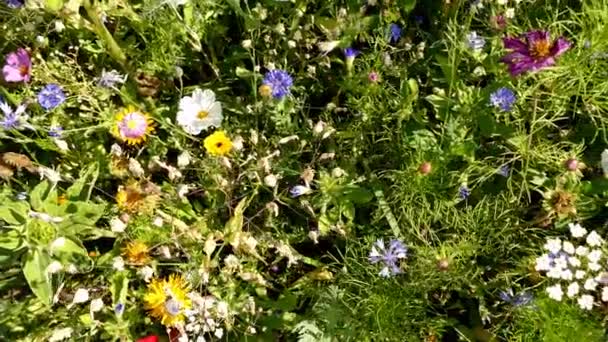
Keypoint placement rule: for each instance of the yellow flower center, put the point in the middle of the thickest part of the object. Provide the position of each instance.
(131, 124)
(202, 114)
(265, 90)
(540, 49)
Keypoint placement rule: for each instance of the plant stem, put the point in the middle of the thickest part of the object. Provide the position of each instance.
(102, 32)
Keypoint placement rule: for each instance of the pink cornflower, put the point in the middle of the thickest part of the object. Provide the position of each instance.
(533, 51)
(373, 77)
(18, 66)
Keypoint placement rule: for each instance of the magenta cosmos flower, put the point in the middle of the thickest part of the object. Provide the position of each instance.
(533, 51)
(18, 66)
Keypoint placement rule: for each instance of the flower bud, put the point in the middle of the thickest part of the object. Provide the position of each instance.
(425, 168)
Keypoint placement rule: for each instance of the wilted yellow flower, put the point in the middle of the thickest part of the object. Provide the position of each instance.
(136, 253)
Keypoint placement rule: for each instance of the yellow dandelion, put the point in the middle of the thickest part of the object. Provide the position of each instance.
(166, 300)
(132, 126)
(136, 253)
(218, 144)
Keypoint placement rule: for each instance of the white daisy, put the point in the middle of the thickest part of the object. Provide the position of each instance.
(594, 239)
(576, 230)
(553, 245)
(590, 284)
(573, 290)
(580, 274)
(199, 111)
(594, 256)
(568, 247)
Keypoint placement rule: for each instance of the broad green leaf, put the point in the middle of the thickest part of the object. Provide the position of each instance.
(86, 213)
(34, 270)
(10, 240)
(356, 194)
(42, 194)
(324, 224)
(119, 288)
(78, 191)
(406, 5)
(14, 212)
(70, 247)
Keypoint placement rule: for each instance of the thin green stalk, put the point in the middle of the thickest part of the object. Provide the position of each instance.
(102, 32)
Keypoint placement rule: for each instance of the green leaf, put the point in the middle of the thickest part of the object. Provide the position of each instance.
(14, 212)
(286, 302)
(43, 194)
(10, 240)
(85, 213)
(324, 224)
(71, 247)
(78, 192)
(119, 288)
(356, 194)
(34, 270)
(406, 5)
(235, 224)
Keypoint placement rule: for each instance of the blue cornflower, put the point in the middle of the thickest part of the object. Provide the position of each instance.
(395, 33)
(503, 98)
(464, 192)
(55, 131)
(388, 256)
(519, 299)
(299, 190)
(279, 82)
(14, 3)
(119, 309)
(13, 119)
(109, 79)
(475, 42)
(504, 170)
(51, 96)
(350, 53)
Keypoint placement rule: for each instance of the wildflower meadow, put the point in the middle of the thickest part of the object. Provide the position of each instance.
(304, 170)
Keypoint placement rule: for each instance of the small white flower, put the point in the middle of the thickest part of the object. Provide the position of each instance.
(183, 159)
(585, 302)
(54, 267)
(58, 243)
(117, 226)
(232, 263)
(237, 143)
(510, 13)
(326, 47)
(270, 181)
(543, 263)
(182, 190)
(561, 262)
(71, 269)
(210, 245)
(199, 111)
(135, 168)
(580, 274)
(81, 296)
(576, 230)
(594, 267)
(566, 275)
(590, 284)
(146, 273)
(553, 245)
(555, 292)
(50, 174)
(222, 309)
(96, 305)
(573, 289)
(574, 261)
(604, 162)
(569, 247)
(594, 239)
(118, 263)
(61, 334)
(605, 294)
(62, 144)
(555, 273)
(582, 250)
(219, 332)
(502, 2)
(158, 221)
(246, 44)
(594, 256)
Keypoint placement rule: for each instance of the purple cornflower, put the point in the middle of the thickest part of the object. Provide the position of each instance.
(119, 309)
(51, 96)
(279, 82)
(13, 119)
(518, 299)
(503, 98)
(14, 3)
(475, 42)
(55, 131)
(533, 51)
(350, 53)
(388, 256)
(395, 33)
(373, 77)
(18, 66)
(109, 79)
(464, 192)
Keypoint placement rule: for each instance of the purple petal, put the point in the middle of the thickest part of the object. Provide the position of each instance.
(516, 57)
(543, 63)
(560, 46)
(12, 74)
(515, 44)
(535, 36)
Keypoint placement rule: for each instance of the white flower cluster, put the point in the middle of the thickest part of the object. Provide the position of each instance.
(205, 317)
(575, 266)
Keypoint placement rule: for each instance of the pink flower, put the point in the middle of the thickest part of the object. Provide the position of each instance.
(18, 66)
(533, 51)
